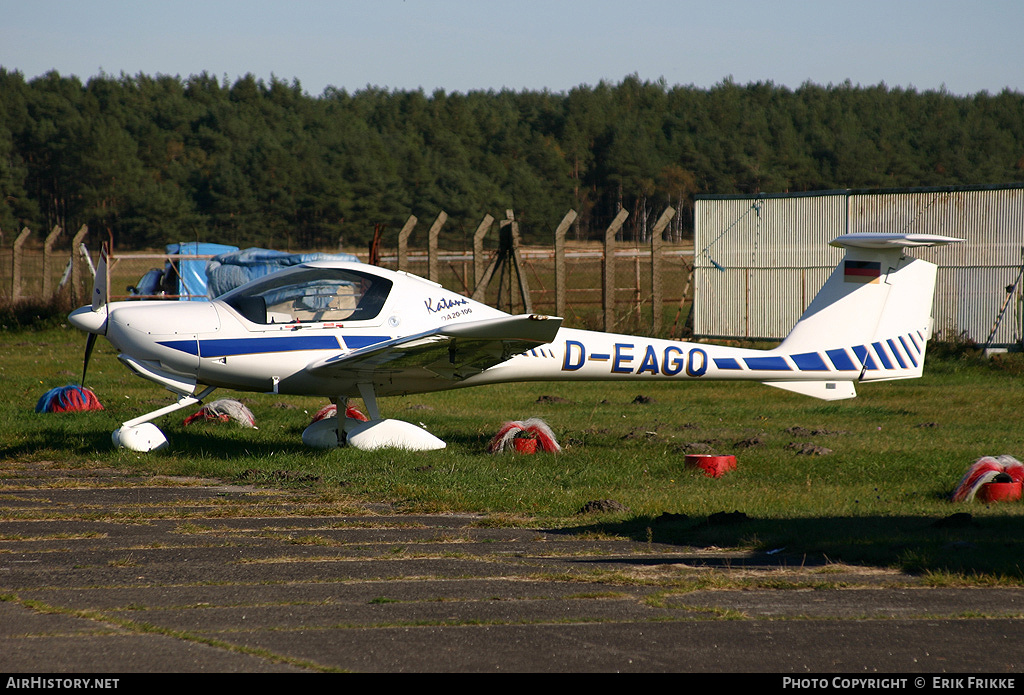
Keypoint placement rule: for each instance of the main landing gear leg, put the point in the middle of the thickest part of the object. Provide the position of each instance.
(375, 434)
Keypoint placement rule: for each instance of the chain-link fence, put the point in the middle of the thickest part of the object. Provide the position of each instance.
(33, 272)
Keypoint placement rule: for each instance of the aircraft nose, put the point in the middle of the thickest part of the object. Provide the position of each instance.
(89, 320)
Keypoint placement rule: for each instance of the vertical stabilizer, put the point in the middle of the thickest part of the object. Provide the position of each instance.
(873, 314)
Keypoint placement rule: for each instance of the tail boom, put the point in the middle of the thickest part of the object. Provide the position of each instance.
(871, 321)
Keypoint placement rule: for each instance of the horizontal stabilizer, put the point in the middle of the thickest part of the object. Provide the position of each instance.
(825, 390)
(887, 240)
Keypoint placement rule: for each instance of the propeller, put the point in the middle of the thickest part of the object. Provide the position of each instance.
(99, 302)
(90, 341)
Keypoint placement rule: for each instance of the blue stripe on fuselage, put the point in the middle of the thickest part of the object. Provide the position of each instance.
(841, 360)
(767, 363)
(809, 362)
(225, 347)
(190, 347)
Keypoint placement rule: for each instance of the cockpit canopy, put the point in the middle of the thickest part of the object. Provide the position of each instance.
(310, 294)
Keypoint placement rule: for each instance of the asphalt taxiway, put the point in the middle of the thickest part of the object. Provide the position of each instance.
(105, 573)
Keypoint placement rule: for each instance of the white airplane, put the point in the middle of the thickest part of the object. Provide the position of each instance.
(344, 330)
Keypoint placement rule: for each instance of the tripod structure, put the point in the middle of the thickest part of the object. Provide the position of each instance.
(507, 269)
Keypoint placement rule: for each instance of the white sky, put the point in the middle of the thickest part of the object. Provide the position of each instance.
(463, 45)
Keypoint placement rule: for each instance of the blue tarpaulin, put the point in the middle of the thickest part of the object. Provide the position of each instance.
(234, 268)
(229, 268)
(192, 279)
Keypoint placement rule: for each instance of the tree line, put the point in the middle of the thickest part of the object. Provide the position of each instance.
(158, 159)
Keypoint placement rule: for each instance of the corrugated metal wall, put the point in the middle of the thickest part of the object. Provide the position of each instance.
(759, 261)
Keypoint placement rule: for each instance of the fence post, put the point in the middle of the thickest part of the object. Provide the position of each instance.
(656, 243)
(16, 259)
(432, 236)
(608, 300)
(403, 243)
(479, 262)
(51, 239)
(76, 265)
(560, 231)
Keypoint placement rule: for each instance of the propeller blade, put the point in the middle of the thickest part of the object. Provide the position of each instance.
(99, 285)
(90, 341)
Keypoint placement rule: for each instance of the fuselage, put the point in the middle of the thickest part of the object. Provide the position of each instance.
(264, 337)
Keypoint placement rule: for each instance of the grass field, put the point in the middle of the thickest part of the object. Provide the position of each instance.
(863, 481)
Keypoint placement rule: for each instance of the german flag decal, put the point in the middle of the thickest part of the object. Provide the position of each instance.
(861, 271)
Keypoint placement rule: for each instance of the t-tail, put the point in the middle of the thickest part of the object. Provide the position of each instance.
(871, 321)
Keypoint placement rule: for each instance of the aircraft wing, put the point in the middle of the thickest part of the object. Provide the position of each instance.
(450, 353)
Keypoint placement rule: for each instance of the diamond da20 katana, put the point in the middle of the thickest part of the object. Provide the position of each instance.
(344, 330)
